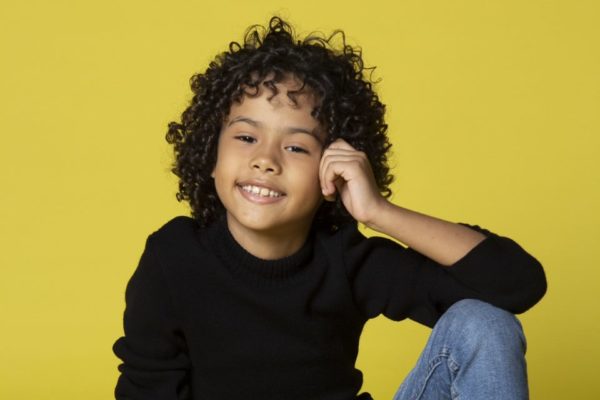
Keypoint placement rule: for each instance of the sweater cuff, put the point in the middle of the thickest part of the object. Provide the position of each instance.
(500, 272)
(482, 254)
(469, 268)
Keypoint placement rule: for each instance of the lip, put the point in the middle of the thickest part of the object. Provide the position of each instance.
(257, 198)
(261, 183)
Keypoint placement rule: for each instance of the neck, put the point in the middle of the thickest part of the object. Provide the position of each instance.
(269, 245)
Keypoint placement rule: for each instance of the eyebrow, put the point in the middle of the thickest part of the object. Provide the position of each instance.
(289, 129)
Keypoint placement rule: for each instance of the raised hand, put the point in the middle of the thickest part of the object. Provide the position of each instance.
(347, 172)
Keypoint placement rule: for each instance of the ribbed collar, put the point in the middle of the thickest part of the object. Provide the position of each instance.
(240, 261)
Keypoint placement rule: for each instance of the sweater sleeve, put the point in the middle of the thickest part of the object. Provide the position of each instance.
(153, 350)
(399, 282)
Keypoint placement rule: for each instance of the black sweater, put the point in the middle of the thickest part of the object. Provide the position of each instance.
(205, 319)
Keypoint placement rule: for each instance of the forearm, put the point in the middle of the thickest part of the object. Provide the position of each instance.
(347, 172)
(442, 241)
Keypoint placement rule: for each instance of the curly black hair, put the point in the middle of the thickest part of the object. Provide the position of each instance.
(347, 108)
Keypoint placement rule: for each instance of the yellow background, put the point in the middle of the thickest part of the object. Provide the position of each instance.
(492, 108)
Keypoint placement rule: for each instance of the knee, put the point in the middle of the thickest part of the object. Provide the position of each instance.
(479, 323)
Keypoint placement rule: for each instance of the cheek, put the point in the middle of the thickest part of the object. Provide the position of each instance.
(309, 176)
(216, 171)
(217, 157)
(220, 173)
(223, 162)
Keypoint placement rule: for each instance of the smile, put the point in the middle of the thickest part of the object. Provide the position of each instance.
(260, 191)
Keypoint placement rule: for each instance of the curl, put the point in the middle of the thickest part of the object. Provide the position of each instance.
(347, 108)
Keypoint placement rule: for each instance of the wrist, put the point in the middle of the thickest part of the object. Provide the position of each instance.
(379, 216)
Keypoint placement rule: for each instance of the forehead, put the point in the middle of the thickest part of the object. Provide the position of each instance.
(288, 98)
(288, 90)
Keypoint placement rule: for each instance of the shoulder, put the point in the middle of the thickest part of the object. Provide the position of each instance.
(176, 235)
(178, 225)
(176, 229)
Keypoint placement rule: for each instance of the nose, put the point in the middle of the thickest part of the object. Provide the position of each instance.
(267, 161)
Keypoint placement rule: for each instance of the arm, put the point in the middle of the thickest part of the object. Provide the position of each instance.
(155, 362)
(398, 282)
(347, 171)
(442, 241)
(480, 264)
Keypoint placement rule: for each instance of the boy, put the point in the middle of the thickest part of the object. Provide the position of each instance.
(264, 293)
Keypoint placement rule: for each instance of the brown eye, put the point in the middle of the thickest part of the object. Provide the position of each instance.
(245, 138)
(296, 149)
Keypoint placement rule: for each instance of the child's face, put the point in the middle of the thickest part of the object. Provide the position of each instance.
(267, 169)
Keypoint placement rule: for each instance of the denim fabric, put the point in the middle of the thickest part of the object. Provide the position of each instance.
(475, 352)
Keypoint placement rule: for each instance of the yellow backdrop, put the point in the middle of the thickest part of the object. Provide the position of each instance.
(493, 112)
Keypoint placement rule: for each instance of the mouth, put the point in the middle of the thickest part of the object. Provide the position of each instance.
(260, 191)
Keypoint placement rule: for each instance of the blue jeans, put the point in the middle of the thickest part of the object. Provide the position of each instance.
(475, 352)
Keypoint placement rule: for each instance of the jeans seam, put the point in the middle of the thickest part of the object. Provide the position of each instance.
(453, 367)
(444, 354)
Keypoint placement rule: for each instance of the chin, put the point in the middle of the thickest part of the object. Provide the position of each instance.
(257, 223)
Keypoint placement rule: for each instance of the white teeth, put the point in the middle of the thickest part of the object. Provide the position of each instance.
(261, 191)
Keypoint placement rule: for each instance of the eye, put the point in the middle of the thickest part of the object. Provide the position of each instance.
(296, 149)
(245, 138)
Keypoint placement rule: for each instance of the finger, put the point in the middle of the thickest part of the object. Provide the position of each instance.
(337, 184)
(336, 174)
(326, 177)
(354, 159)
(347, 157)
(332, 152)
(330, 197)
(340, 144)
(340, 151)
